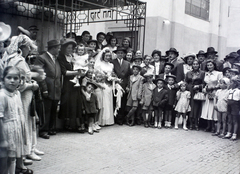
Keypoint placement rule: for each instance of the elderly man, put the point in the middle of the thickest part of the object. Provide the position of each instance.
(50, 87)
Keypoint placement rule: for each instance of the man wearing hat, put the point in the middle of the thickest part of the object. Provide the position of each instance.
(51, 86)
(212, 54)
(201, 56)
(172, 55)
(100, 38)
(121, 68)
(230, 59)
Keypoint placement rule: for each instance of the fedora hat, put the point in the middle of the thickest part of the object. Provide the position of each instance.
(137, 66)
(188, 55)
(95, 41)
(53, 43)
(5, 31)
(232, 55)
(211, 50)
(161, 79)
(66, 41)
(120, 49)
(168, 63)
(33, 27)
(172, 50)
(201, 52)
(24, 31)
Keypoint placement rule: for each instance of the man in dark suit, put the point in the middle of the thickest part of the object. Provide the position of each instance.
(122, 70)
(50, 87)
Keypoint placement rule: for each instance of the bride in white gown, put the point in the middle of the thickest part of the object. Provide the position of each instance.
(103, 65)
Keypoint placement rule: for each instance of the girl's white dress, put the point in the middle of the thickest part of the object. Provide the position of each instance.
(11, 112)
(106, 115)
(183, 105)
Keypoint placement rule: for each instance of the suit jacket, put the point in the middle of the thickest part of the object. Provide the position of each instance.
(176, 62)
(135, 86)
(179, 72)
(147, 93)
(123, 71)
(160, 98)
(52, 83)
(161, 67)
(172, 95)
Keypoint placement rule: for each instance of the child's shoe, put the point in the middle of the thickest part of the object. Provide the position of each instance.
(74, 80)
(185, 128)
(176, 123)
(155, 125)
(234, 137)
(221, 135)
(169, 124)
(215, 134)
(95, 129)
(146, 124)
(159, 125)
(97, 126)
(166, 124)
(77, 83)
(228, 135)
(90, 130)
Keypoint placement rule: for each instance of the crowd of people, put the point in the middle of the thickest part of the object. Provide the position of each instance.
(90, 85)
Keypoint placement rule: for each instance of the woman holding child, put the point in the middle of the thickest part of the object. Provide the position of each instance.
(70, 107)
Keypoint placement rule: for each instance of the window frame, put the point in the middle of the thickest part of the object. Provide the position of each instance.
(189, 6)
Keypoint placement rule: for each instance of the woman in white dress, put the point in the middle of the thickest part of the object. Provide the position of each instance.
(103, 64)
(211, 79)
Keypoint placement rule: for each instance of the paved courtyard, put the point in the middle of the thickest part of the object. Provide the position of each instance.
(122, 149)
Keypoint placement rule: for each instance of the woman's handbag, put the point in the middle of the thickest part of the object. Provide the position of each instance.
(199, 96)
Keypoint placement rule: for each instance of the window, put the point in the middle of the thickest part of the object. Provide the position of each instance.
(197, 8)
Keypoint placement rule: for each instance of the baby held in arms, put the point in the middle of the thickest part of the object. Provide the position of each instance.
(80, 63)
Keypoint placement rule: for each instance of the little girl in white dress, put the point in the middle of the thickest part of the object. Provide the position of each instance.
(182, 107)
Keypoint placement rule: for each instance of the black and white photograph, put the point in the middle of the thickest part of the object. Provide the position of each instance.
(119, 86)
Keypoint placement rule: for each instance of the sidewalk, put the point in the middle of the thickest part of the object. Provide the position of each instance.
(123, 149)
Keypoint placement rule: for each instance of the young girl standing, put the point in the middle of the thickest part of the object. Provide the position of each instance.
(146, 100)
(10, 114)
(182, 107)
(220, 106)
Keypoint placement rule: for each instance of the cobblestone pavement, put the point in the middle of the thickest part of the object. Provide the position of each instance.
(123, 149)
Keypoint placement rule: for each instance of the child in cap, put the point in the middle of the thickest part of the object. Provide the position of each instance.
(182, 107)
(233, 108)
(172, 88)
(146, 100)
(159, 101)
(135, 93)
(90, 105)
(220, 105)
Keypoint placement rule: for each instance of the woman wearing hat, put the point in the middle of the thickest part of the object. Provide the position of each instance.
(126, 44)
(158, 62)
(195, 81)
(70, 107)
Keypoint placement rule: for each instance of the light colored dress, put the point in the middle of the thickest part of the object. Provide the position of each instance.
(12, 115)
(222, 98)
(208, 111)
(106, 116)
(183, 105)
